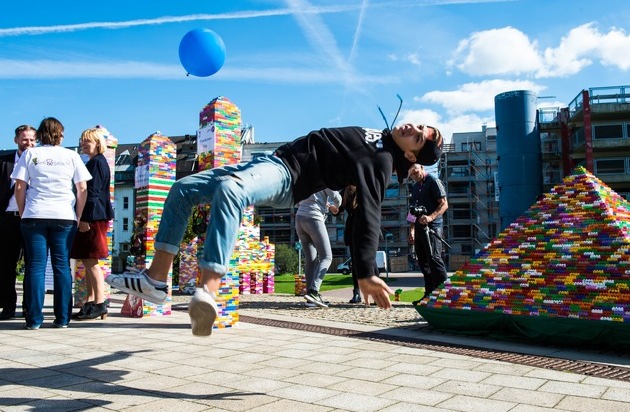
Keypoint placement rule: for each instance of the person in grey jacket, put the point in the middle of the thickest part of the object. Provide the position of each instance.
(310, 225)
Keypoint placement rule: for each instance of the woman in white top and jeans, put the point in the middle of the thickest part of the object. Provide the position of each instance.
(44, 179)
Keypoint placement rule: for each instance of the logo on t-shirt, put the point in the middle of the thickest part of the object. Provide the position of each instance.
(374, 136)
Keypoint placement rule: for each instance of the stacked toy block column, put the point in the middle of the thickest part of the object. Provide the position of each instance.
(80, 287)
(155, 174)
(218, 144)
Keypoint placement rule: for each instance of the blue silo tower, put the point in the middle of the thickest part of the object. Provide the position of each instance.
(518, 151)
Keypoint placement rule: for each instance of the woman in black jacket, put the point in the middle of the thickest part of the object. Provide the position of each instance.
(90, 243)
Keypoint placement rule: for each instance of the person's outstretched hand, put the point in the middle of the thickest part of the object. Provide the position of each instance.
(378, 289)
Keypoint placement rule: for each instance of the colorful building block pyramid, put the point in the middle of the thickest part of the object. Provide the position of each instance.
(559, 274)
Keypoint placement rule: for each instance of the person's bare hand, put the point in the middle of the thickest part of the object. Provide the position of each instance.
(378, 289)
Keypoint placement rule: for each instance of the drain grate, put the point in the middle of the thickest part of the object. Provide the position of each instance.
(563, 365)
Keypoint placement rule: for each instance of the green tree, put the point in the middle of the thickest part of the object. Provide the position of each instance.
(286, 259)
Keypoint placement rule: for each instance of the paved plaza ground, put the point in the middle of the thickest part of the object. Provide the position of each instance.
(283, 356)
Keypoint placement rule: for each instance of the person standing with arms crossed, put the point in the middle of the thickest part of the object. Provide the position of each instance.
(90, 242)
(429, 192)
(11, 241)
(310, 225)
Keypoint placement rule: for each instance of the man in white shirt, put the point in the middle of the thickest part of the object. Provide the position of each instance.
(11, 243)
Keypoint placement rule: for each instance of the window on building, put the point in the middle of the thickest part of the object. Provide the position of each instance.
(466, 249)
(460, 211)
(461, 231)
(125, 224)
(610, 166)
(124, 247)
(125, 202)
(607, 131)
(458, 188)
(470, 146)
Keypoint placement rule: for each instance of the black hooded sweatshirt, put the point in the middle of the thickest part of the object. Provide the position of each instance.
(336, 158)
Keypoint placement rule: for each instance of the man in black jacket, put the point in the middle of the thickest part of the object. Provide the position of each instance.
(11, 242)
(426, 229)
(326, 158)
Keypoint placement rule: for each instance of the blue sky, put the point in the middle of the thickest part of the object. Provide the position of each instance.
(297, 65)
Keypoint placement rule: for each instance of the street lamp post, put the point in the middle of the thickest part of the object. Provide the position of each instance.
(387, 236)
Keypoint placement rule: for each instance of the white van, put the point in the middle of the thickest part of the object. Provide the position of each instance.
(381, 263)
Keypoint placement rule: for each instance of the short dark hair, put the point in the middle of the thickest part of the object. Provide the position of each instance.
(50, 131)
(24, 128)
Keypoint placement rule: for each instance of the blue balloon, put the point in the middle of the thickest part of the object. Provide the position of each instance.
(202, 52)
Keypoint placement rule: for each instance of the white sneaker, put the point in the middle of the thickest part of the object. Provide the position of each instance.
(203, 311)
(137, 283)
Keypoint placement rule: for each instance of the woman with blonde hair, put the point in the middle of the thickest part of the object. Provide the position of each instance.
(90, 243)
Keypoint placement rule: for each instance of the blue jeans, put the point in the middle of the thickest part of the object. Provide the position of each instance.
(40, 236)
(264, 181)
(317, 252)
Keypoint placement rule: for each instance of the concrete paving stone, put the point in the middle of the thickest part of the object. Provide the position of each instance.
(56, 403)
(570, 388)
(217, 377)
(273, 373)
(549, 374)
(414, 381)
(234, 366)
(341, 350)
(617, 394)
(58, 380)
(411, 407)
(262, 385)
(86, 390)
(451, 361)
(528, 397)
(331, 357)
(504, 368)
(531, 408)
(363, 387)
(418, 358)
(365, 374)
(592, 380)
(326, 368)
(237, 400)
(428, 397)
(168, 405)
(369, 363)
(474, 404)
(356, 402)
(461, 375)
(181, 371)
(414, 369)
(23, 394)
(318, 380)
(282, 362)
(304, 393)
(289, 405)
(248, 357)
(483, 390)
(521, 382)
(581, 404)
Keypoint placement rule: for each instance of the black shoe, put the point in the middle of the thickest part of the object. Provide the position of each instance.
(94, 311)
(7, 314)
(314, 297)
(84, 309)
(356, 298)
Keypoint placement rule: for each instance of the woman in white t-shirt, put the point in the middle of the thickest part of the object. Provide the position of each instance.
(44, 180)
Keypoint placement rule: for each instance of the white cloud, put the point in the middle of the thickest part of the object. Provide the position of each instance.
(449, 125)
(476, 97)
(497, 51)
(509, 51)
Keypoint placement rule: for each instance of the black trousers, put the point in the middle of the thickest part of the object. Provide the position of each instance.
(429, 253)
(11, 248)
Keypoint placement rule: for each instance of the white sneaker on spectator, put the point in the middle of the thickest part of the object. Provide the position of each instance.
(203, 311)
(139, 284)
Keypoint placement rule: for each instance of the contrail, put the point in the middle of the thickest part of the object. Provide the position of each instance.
(40, 30)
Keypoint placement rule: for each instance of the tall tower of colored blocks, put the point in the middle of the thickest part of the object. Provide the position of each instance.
(155, 174)
(218, 144)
